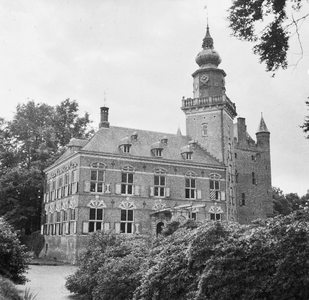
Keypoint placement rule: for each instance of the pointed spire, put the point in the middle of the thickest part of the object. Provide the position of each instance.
(262, 126)
(208, 42)
(179, 131)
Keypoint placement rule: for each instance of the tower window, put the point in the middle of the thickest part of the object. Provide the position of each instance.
(204, 129)
(253, 178)
(243, 199)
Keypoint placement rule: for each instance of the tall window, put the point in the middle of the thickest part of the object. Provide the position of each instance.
(253, 178)
(126, 221)
(95, 219)
(190, 187)
(159, 184)
(243, 199)
(214, 187)
(204, 129)
(127, 181)
(97, 177)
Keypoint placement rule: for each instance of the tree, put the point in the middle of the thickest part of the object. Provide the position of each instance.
(305, 126)
(33, 140)
(272, 42)
(13, 258)
(281, 205)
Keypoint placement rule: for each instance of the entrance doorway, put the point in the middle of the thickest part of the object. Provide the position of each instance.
(160, 226)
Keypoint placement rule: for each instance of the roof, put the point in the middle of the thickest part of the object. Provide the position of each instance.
(109, 140)
(262, 126)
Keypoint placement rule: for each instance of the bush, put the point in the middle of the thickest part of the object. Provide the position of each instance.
(110, 267)
(13, 257)
(7, 290)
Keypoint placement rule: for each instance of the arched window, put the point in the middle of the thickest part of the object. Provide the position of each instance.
(204, 129)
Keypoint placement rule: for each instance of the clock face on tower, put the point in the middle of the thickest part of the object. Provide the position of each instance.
(204, 78)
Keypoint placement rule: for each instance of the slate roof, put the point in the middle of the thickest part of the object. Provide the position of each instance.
(108, 140)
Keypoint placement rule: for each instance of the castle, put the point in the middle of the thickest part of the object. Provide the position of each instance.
(134, 181)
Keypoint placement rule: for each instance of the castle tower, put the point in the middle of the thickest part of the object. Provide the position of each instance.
(210, 113)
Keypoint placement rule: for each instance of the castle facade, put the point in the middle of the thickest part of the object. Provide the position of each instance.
(134, 181)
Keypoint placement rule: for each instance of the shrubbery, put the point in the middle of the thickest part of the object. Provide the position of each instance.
(13, 257)
(265, 260)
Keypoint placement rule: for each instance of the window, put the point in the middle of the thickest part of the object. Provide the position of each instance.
(97, 178)
(192, 215)
(204, 129)
(243, 199)
(126, 148)
(215, 217)
(230, 174)
(231, 196)
(159, 185)
(253, 178)
(157, 152)
(190, 187)
(127, 181)
(95, 219)
(126, 221)
(188, 155)
(59, 190)
(214, 186)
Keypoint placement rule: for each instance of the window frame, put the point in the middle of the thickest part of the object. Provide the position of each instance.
(190, 186)
(97, 177)
(127, 181)
(95, 223)
(127, 221)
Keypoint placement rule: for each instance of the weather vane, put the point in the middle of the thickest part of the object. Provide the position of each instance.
(104, 97)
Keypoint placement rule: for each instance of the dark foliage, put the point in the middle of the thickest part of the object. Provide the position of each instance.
(13, 258)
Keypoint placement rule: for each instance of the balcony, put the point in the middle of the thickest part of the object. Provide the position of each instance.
(190, 103)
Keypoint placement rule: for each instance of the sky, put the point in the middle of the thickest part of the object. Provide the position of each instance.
(137, 57)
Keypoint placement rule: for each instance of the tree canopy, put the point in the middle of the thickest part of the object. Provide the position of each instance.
(30, 142)
(267, 24)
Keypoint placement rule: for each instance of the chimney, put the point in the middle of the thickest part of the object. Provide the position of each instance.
(104, 117)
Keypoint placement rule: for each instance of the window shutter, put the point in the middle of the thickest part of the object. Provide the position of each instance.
(74, 188)
(42, 229)
(74, 227)
(118, 189)
(137, 227)
(117, 227)
(199, 194)
(151, 191)
(223, 196)
(107, 188)
(167, 192)
(67, 228)
(137, 190)
(87, 186)
(85, 227)
(106, 226)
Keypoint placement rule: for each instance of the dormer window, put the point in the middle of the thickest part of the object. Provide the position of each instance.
(134, 136)
(164, 141)
(157, 149)
(157, 152)
(126, 148)
(188, 155)
(186, 152)
(125, 145)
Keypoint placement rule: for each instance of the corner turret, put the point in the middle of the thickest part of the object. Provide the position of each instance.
(262, 134)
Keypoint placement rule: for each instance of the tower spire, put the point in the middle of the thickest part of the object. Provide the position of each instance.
(262, 126)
